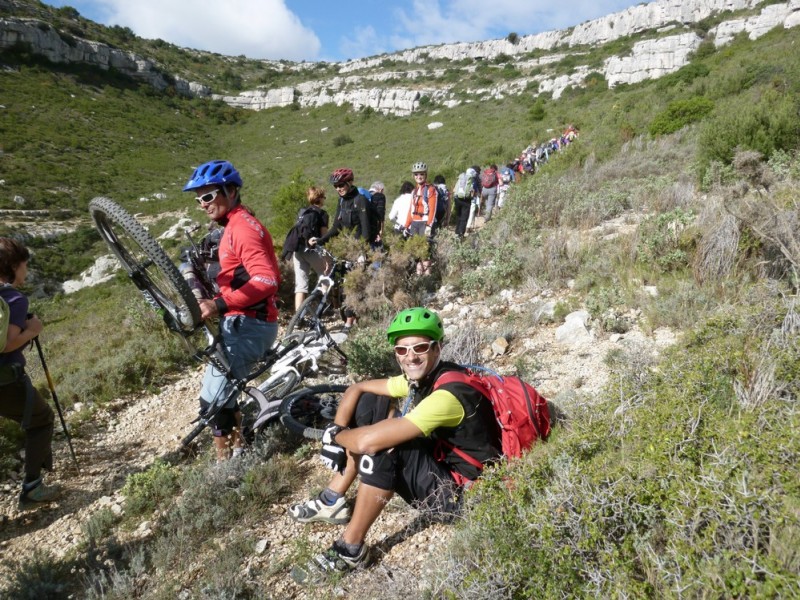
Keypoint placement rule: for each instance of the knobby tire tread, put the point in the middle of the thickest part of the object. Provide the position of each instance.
(307, 310)
(302, 404)
(107, 215)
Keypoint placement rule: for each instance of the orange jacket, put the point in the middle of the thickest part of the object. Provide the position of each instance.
(419, 209)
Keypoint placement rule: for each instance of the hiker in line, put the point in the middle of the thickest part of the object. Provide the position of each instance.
(442, 204)
(248, 280)
(400, 206)
(422, 211)
(506, 178)
(378, 200)
(19, 400)
(353, 213)
(399, 435)
(312, 222)
(463, 193)
(489, 182)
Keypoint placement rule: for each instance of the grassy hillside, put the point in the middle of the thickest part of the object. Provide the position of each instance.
(681, 479)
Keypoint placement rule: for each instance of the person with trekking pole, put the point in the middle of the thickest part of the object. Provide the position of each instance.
(19, 400)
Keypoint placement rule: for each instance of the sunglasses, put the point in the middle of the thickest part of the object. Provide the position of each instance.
(208, 198)
(340, 185)
(418, 349)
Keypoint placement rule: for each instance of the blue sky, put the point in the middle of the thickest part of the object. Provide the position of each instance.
(335, 30)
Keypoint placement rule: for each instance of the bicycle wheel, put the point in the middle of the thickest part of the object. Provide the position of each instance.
(308, 316)
(261, 405)
(310, 410)
(281, 386)
(147, 265)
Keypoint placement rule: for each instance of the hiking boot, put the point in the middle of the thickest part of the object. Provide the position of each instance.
(316, 510)
(38, 494)
(334, 560)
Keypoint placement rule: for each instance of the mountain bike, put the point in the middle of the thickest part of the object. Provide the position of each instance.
(326, 297)
(165, 289)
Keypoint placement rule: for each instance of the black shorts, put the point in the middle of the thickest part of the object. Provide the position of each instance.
(408, 469)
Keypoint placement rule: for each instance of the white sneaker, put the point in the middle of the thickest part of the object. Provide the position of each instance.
(315, 510)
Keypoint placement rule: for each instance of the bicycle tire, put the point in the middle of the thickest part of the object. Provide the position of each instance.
(307, 317)
(255, 415)
(148, 266)
(310, 410)
(281, 387)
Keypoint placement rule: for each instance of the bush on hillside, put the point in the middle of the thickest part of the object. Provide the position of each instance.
(662, 240)
(679, 114)
(285, 205)
(765, 124)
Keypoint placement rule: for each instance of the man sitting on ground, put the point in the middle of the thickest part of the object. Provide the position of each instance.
(400, 435)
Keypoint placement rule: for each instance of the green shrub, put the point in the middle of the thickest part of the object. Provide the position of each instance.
(369, 354)
(680, 113)
(146, 491)
(764, 124)
(342, 140)
(661, 240)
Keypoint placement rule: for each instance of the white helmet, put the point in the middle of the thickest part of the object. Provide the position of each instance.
(419, 167)
(471, 172)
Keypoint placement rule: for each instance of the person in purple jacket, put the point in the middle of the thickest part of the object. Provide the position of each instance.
(19, 400)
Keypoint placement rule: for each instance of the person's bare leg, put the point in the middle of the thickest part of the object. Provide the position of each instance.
(370, 502)
(299, 298)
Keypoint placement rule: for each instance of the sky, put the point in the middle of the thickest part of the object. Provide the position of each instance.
(335, 30)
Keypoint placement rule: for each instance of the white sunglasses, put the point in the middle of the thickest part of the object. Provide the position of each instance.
(208, 197)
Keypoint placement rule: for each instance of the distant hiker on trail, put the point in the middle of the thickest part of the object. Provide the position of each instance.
(19, 400)
(442, 204)
(248, 279)
(312, 222)
(463, 193)
(426, 447)
(378, 200)
(489, 183)
(400, 206)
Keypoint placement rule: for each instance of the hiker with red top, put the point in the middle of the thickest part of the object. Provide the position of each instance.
(489, 182)
(246, 305)
(411, 434)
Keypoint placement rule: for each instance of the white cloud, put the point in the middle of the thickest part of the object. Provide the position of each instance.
(255, 28)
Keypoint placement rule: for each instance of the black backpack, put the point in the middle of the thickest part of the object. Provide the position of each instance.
(306, 227)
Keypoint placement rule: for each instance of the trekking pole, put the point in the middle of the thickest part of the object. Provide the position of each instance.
(55, 400)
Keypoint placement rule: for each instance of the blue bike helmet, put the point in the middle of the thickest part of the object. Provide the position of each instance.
(214, 172)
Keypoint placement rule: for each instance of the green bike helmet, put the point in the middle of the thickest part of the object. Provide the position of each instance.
(416, 321)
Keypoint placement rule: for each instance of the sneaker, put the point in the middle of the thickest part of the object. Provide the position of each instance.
(316, 510)
(39, 494)
(334, 560)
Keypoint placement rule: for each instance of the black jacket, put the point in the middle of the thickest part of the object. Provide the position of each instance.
(352, 213)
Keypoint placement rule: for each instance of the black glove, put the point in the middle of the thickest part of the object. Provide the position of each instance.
(331, 431)
(334, 457)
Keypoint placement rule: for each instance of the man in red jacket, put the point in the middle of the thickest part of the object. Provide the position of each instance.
(248, 280)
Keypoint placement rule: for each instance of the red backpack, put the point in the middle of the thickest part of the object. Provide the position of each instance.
(489, 178)
(521, 412)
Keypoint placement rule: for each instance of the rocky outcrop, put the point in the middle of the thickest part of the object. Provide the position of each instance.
(58, 47)
(771, 16)
(651, 59)
(648, 59)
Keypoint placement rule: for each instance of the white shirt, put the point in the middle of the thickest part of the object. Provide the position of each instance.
(400, 209)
